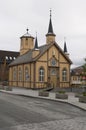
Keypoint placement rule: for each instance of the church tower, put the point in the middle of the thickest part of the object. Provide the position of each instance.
(50, 36)
(27, 43)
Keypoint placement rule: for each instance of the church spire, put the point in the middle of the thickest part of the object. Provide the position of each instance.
(50, 29)
(65, 46)
(50, 36)
(36, 42)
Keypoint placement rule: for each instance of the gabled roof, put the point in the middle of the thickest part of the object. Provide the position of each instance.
(77, 70)
(27, 57)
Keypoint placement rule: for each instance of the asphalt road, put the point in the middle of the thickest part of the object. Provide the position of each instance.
(24, 113)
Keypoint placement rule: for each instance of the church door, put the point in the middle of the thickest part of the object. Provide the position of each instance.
(54, 77)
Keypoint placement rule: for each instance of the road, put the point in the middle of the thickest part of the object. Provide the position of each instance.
(25, 113)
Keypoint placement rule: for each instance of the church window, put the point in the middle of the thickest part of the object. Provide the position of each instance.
(41, 74)
(64, 75)
(20, 74)
(14, 74)
(26, 74)
(53, 61)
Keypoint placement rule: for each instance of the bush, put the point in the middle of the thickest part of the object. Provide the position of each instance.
(84, 93)
(61, 92)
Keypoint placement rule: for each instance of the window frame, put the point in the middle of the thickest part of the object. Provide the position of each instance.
(64, 75)
(41, 74)
(26, 74)
(20, 74)
(14, 74)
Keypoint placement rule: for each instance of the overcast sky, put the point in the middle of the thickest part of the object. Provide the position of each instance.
(68, 19)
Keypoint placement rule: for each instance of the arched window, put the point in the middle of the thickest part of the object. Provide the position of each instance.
(14, 74)
(41, 74)
(64, 74)
(20, 74)
(26, 74)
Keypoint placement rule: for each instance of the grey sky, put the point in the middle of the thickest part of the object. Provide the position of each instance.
(68, 18)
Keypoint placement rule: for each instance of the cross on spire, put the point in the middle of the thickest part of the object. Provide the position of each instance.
(27, 30)
(50, 13)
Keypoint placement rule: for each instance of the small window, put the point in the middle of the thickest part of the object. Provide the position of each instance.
(14, 74)
(64, 75)
(41, 74)
(6, 57)
(26, 74)
(20, 74)
(10, 58)
(14, 58)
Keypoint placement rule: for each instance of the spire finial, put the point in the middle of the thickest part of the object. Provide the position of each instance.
(64, 39)
(27, 30)
(50, 12)
(36, 34)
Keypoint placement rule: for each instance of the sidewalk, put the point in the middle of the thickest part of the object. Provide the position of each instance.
(34, 93)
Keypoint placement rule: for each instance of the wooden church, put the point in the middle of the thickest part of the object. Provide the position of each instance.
(40, 66)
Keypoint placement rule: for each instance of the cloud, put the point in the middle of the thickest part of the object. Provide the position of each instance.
(68, 18)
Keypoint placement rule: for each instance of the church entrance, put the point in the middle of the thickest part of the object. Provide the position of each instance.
(54, 77)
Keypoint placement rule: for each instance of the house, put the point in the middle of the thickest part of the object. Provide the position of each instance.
(40, 66)
(77, 76)
(6, 57)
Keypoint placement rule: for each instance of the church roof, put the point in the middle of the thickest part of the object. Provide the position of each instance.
(27, 57)
(27, 34)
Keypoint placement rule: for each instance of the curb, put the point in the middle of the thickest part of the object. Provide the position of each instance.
(39, 97)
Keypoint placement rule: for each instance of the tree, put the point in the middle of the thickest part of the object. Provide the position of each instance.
(84, 74)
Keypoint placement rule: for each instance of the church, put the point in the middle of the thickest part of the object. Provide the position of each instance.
(40, 66)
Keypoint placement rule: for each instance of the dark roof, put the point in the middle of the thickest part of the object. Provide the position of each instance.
(50, 29)
(8, 55)
(27, 35)
(27, 57)
(4, 53)
(77, 70)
